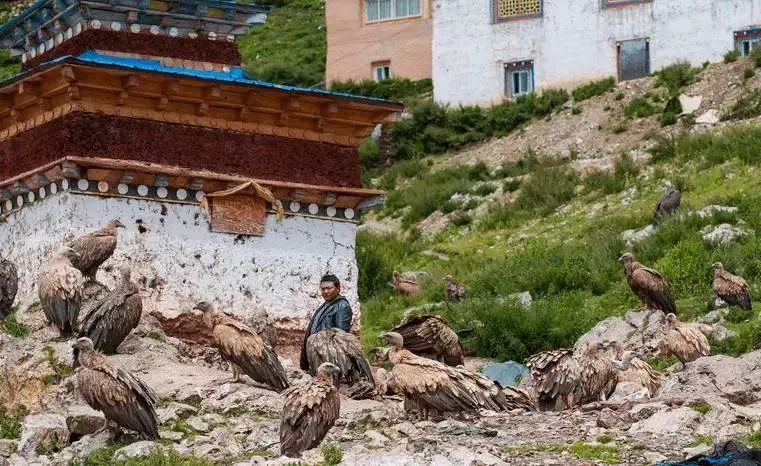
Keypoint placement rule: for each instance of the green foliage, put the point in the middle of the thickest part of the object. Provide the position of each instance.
(605, 438)
(60, 368)
(164, 457)
(731, 56)
(748, 73)
(668, 118)
(608, 454)
(576, 110)
(702, 408)
(511, 185)
(157, 335)
(13, 327)
(703, 439)
(619, 127)
(747, 106)
(52, 446)
(752, 440)
(624, 170)
(675, 77)
(713, 148)
(10, 422)
(737, 315)
(748, 339)
(661, 364)
(290, 48)
(592, 89)
(484, 189)
(331, 454)
(548, 188)
(378, 256)
(755, 56)
(8, 66)
(391, 89)
(368, 153)
(401, 170)
(639, 107)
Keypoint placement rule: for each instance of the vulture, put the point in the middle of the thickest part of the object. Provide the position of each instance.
(431, 336)
(309, 411)
(649, 285)
(8, 286)
(454, 291)
(111, 320)
(598, 377)
(686, 343)
(244, 349)
(556, 375)
(404, 286)
(519, 398)
(94, 248)
(343, 350)
(732, 289)
(60, 290)
(123, 398)
(667, 204)
(431, 386)
(634, 370)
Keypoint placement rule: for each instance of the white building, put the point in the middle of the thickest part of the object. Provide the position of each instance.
(485, 51)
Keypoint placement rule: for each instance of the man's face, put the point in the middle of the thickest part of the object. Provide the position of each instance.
(329, 290)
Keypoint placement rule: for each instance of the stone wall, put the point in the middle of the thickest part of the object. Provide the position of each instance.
(574, 41)
(178, 261)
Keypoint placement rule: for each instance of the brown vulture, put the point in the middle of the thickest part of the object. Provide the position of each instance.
(454, 291)
(732, 289)
(8, 286)
(431, 386)
(123, 398)
(634, 370)
(344, 351)
(556, 375)
(667, 204)
(94, 248)
(686, 343)
(519, 398)
(244, 349)
(649, 285)
(431, 336)
(404, 286)
(598, 377)
(111, 320)
(309, 411)
(60, 290)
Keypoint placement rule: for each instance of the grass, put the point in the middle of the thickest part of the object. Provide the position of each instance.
(10, 423)
(747, 106)
(703, 440)
(331, 454)
(753, 440)
(157, 335)
(675, 77)
(61, 370)
(604, 438)
(639, 107)
(731, 56)
(593, 89)
(397, 89)
(13, 327)
(607, 454)
(702, 408)
(167, 457)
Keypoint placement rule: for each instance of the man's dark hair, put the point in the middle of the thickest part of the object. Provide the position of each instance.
(330, 278)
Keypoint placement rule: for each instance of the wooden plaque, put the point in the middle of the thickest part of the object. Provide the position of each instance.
(239, 214)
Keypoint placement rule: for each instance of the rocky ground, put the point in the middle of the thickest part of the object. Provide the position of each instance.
(203, 413)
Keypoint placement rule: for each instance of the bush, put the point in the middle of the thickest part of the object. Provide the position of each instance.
(593, 89)
(547, 189)
(755, 56)
(331, 454)
(13, 327)
(624, 169)
(619, 127)
(748, 73)
(731, 56)
(377, 257)
(668, 118)
(639, 107)
(747, 106)
(675, 77)
(484, 189)
(368, 153)
(391, 89)
(10, 422)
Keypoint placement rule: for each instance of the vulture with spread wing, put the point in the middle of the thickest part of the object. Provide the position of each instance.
(598, 377)
(634, 370)
(649, 285)
(111, 320)
(667, 204)
(8, 286)
(732, 289)
(686, 343)
(454, 291)
(344, 351)
(244, 349)
(431, 386)
(556, 375)
(404, 286)
(309, 411)
(123, 398)
(94, 248)
(431, 336)
(60, 290)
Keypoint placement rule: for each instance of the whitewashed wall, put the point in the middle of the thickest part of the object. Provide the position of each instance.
(574, 41)
(180, 261)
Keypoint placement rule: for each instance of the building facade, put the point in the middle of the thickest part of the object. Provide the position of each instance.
(378, 39)
(486, 51)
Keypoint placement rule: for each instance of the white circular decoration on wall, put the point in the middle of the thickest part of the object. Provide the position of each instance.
(59, 38)
(78, 28)
(68, 34)
(8, 205)
(200, 195)
(162, 192)
(155, 29)
(95, 24)
(349, 213)
(313, 209)
(294, 206)
(142, 190)
(42, 193)
(65, 184)
(135, 28)
(53, 188)
(173, 31)
(102, 186)
(116, 26)
(331, 211)
(19, 201)
(182, 194)
(83, 184)
(122, 188)
(31, 197)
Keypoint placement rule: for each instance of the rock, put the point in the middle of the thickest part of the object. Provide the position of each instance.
(610, 329)
(375, 439)
(690, 103)
(137, 450)
(174, 411)
(406, 428)
(709, 117)
(85, 445)
(719, 332)
(440, 460)
(653, 457)
(7, 447)
(632, 237)
(171, 435)
(723, 234)
(627, 391)
(524, 298)
(507, 374)
(709, 210)
(716, 316)
(83, 420)
(700, 449)
(47, 431)
(465, 456)
(668, 422)
(198, 424)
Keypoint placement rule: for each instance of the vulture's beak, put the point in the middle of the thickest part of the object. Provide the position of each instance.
(119, 224)
(621, 259)
(382, 335)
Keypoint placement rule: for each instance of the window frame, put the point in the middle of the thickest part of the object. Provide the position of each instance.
(393, 16)
(381, 65)
(751, 36)
(514, 68)
(496, 18)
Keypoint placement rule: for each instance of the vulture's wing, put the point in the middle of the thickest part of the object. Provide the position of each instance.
(642, 374)
(519, 398)
(692, 341)
(732, 289)
(342, 349)
(650, 283)
(487, 393)
(554, 372)
(60, 292)
(242, 346)
(113, 318)
(93, 249)
(309, 411)
(426, 334)
(8, 286)
(597, 378)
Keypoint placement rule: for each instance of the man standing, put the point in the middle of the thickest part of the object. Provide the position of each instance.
(335, 312)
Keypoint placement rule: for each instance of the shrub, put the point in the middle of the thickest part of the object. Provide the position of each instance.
(576, 110)
(377, 257)
(731, 56)
(747, 106)
(593, 89)
(619, 127)
(485, 189)
(392, 89)
(624, 169)
(511, 185)
(755, 56)
(548, 188)
(13, 327)
(10, 422)
(668, 118)
(639, 107)
(675, 77)
(368, 153)
(748, 73)
(331, 454)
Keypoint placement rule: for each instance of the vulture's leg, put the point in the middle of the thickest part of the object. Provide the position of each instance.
(236, 372)
(567, 400)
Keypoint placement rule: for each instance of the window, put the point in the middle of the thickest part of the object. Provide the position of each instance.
(382, 10)
(519, 78)
(746, 41)
(381, 71)
(505, 10)
(633, 59)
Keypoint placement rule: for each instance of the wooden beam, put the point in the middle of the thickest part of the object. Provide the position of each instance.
(27, 87)
(68, 74)
(290, 103)
(172, 87)
(252, 98)
(329, 109)
(131, 81)
(203, 108)
(212, 93)
(70, 169)
(163, 103)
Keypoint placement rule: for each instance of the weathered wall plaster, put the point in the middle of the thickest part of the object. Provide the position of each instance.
(574, 41)
(178, 261)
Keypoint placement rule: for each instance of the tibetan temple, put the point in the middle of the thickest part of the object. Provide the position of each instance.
(232, 189)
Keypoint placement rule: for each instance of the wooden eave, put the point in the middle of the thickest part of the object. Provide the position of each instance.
(66, 86)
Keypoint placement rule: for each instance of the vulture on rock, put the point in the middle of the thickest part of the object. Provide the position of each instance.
(431, 336)
(123, 398)
(649, 285)
(111, 320)
(309, 411)
(8, 287)
(634, 370)
(598, 377)
(244, 349)
(94, 248)
(667, 204)
(431, 386)
(454, 291)
(343, 350)
(686, 343)
(556, 375)
(732, 289)
(404, 286)
(60, 290)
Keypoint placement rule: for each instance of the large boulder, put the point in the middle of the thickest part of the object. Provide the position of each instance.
(83, 420)
(137, 450)
(668, 421)
(47, 432)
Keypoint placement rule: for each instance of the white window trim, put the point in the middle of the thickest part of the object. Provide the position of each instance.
(393, 16)
(377, 67)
